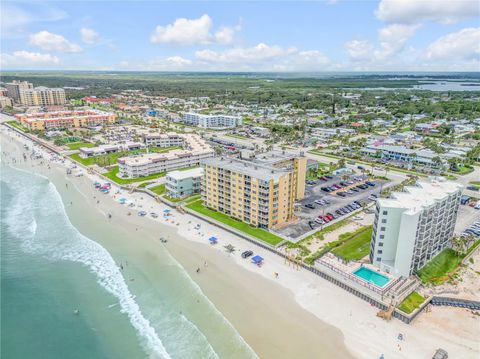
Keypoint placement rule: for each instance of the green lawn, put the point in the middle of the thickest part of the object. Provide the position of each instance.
(412, 302)
(144, 184)
(77, 145)
(461, 170)
(113, 176)
(438, 269)
(18, 126)
(237, 136)
(356, 246)
(112, 158)
(475, 183)
(158, 189)
(229, 221)
(188, 199)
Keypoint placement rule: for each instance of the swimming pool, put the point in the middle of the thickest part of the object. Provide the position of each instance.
(371, 276)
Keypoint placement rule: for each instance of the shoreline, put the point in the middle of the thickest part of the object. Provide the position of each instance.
(364, 335)
(247, 306)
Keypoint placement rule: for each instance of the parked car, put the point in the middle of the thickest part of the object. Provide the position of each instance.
(247, 254)
(341, 194)
(310, 205)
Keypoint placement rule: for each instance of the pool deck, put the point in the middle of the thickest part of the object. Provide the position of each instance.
(346, 271)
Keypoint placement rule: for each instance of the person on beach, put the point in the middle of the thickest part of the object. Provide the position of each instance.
(198, 270)
(205, 264)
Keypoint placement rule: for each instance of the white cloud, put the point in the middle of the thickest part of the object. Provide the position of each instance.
(178, 61)
(417, 11)
(393, 38)
(359, 50)
(226, 34)
(25, 59)
(461, 45)
(263, 57)
(53, 42)
(12, 16)
(192, 31)
(89, 36)
(260, 52)
(158, 64)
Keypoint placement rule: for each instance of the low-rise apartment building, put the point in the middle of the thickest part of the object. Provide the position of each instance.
(163, 140)
(103, 150)
(45, 121)
(185, 183)
(195, 149)
(413, 226)
(211, 121)
(402, 154)
(255, 192)
(331, 132)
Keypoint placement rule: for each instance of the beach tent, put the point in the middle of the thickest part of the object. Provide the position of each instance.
(257, 260)
(213, 240)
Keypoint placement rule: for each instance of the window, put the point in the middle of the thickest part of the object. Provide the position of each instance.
(380, 244)
(384, 220)
(385, 213)
(378, 259)
(382, 229)
(379, 251)
(382, 236)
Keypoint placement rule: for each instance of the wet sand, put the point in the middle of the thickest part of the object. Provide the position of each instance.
(265, 314)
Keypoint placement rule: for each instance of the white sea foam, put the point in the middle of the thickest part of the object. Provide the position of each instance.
(66, 243)
(76, 247)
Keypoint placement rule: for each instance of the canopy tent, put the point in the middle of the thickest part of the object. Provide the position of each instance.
(213, 240)
(257, 259)
(229, 248)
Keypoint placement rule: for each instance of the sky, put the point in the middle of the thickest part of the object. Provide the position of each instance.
(311, 36)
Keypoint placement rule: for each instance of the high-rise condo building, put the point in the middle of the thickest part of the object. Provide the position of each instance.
(261, 193)
(413, 226)
(14, 87)
(42, 96)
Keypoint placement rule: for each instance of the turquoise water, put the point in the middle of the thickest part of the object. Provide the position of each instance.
(49, 269)
(371, 276)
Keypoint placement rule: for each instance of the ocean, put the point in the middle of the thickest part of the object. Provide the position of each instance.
(50, 270)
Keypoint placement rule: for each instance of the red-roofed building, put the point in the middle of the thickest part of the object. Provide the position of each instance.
(97, 100)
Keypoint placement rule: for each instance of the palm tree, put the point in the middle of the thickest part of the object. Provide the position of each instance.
(218, 150)
(437, 161)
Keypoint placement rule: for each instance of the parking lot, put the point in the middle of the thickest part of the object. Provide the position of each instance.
(326, 204)
(465, 217)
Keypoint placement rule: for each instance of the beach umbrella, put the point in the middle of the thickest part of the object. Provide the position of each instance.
(213, 240)
(257, 259)
(166, 210)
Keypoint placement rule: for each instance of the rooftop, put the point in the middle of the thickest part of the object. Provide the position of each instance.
(423, 195)
(252, 169)
(180, 175)
(272, 157)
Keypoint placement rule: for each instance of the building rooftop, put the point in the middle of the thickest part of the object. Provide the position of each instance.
(423, 195)
(404, 150)
(272, 157)
(249, 168)
(180, 175)
(193, 145)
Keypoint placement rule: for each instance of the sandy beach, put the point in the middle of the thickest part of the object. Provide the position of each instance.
(295, 315)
